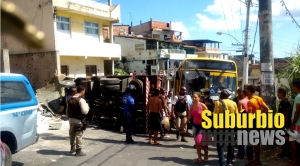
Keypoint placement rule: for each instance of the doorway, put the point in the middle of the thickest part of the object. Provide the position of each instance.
(64, 70)
(108, 67)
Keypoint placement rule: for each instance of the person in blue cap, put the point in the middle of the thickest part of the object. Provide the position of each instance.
(128, 104)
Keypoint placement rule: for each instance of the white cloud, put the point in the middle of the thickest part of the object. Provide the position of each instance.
(212, 18)
(278, 25)
(179, 26)
(192, 28)
(279, 12)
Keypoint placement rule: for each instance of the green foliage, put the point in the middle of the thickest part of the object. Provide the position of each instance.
(291, 72)
(120, 72)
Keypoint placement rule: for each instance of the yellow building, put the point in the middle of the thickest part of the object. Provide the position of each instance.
(74, 31)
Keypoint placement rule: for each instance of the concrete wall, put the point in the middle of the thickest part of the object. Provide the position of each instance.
(128, 49)
(255, 72)
(161, 25)
(77, 27)
(5, 65)
(77, 65)
(40, 14)
(71, 44)
(162, 33)
(91, 8)
(117, 29)
(39, 67)
(142, 29)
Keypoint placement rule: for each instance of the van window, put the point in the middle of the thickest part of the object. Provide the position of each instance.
(12, 92)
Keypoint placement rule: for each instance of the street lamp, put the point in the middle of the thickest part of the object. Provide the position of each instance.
(220, 33)
(246, 63)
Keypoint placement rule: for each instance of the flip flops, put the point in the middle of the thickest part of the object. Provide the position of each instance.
(197, 160)
(157, 143)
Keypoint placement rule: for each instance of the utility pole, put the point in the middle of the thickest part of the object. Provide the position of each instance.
(246, 45)
(266, 53)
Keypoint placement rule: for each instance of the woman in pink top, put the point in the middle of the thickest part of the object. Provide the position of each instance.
(242, 104)
(195, 112)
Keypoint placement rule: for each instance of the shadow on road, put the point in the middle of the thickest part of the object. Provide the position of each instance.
(182, 161)
(176, 160)
(49, 136)
(144, 143)
(54, 152)
(16, 163)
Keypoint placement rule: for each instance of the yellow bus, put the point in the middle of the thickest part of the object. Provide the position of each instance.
(197, 74)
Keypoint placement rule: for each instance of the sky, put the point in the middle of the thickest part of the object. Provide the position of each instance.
(202, 19)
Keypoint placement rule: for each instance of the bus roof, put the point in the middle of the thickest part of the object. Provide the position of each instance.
(209, 59)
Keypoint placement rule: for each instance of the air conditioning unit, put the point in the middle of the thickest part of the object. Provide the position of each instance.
(154, 70)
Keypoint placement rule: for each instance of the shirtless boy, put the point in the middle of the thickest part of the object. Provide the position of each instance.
(154, 121)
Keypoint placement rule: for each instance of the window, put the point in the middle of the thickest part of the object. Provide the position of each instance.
(63, 23)
(91, 29)
(64, 70)
(156, 36)
(12, 92)
(90, 70)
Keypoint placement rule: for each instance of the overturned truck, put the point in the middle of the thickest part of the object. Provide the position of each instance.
(104, 95)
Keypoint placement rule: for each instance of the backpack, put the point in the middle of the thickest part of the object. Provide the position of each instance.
(179, 106)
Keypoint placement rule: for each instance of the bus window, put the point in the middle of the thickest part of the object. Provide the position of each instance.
(194, 81)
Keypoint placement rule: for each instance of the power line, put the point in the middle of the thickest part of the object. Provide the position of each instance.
(225, 20)
(232, 18)
(289, 13)
(241, 18)
(33, 20)
(255, 34)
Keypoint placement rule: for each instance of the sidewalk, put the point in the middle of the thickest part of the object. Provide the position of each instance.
(104, 147)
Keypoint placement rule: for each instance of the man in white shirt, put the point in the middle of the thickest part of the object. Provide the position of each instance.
(77, 109)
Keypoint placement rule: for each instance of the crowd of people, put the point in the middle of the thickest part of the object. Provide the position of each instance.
(185, 109)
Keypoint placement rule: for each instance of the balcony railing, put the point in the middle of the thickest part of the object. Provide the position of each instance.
(200, 49)
(170, 51)
(111, 13)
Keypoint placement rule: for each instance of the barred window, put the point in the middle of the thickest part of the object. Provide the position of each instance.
(91, 29)
(63, 23)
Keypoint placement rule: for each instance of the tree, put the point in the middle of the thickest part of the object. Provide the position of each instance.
(291, 72)
(123, 61)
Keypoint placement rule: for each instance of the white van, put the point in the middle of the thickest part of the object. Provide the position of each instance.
(18, 114)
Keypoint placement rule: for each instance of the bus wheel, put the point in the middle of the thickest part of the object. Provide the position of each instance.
(8, 158)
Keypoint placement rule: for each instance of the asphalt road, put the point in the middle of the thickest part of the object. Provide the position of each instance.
(106, 147)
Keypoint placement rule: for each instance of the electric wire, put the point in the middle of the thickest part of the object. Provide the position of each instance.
(255, 33)
(225, 20)
(289, 13)
(232, 18)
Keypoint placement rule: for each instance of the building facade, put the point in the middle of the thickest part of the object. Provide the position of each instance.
(150, 47)
(74, 29)
(149, 55)
(203, 49)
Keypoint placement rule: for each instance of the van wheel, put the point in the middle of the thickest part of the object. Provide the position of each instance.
(8, 159)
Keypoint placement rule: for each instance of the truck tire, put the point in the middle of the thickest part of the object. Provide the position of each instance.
(8, 155)
(102, 87)
(110, 81)
(110, 87)
(139, 88)
(78, 81)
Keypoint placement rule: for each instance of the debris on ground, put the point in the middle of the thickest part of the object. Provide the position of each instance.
(52, 95)
(269, 155)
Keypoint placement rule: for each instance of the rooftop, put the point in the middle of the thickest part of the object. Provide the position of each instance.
(147, 38)
(202, 41)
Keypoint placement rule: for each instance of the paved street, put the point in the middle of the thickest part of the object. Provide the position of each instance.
(105, 147)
